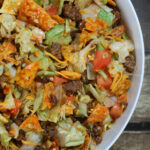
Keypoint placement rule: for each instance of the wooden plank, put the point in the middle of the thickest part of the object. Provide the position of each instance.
(142, 111)
(133, 141)
(142, 8)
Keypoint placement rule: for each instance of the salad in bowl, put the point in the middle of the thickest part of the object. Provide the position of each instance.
(65, 69)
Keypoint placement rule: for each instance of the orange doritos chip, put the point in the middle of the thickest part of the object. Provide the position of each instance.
(27, 75)
(98, 114)
(32, 13)
(31, 123)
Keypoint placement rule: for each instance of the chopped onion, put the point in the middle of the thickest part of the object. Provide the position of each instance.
(59, 92)
(100, 4)
(15, 128)
(90, 72)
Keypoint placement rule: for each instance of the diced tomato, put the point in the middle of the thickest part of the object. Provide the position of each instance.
(104, 83)
(68, 100)
(116, 111)
(58, 80)
(52, 11)
(15, 111)
(122, 98)
(102, 59)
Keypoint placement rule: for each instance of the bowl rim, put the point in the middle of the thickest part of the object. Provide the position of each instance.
(141, 77)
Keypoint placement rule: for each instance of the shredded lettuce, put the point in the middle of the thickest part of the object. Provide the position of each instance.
(82, 110)
(54, 114)
(4, 136)
(115, 67)
(85, 99)
(70, 134)
(16, 93)
(80, 58)
(27, 106)
(82, 3)
(46, 73)
(44, 61)
(122, 49)
(9, 68)
(24, 39)
(99, 95)
(32, 137)
(56, 34)
(9, 100)
(106, 16)
(3, 119)
(38, 99)
(1, 69)
(8, 23)
(44, 115)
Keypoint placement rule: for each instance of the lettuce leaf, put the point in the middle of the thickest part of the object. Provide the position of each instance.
(24, 39)
(70, 134)
(4, 136)
(38, 99)
(44, 115)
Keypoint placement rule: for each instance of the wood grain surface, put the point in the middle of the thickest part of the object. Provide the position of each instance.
(138, 138)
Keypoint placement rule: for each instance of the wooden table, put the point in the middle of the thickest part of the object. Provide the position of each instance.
(137, 134)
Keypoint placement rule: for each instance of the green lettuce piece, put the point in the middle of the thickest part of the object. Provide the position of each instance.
(3, 119)
(46, 73)
(38, 99)
(24, 39)
(98, 94)
(39, 2)
(106, 16)
(4, 136)
(1, 69)
(56, 34)
(44, 61)
(82, 110)
(54, 114)
(85, 99)
(10, 101)
(44, 115)
(72, 134)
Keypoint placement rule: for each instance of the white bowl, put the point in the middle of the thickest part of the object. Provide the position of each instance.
(131, 20)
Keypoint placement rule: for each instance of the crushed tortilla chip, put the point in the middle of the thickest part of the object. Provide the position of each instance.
(98, 114)
(31, 123)
(49, 90)
(6, 49)
(34, 14)
(58, 19)
(111, 2)
(27, 75)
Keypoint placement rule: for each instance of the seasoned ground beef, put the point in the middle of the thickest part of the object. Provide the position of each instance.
(20, 118)
(4, 78)
(21, 135)
(2, 95)
(49, 130)
(130, 63)
(117, 19)
(96, 132)
(53, 100)
(72, 86)
(72, 12)
(84, 77)
(39, 148)
(55, 49)
(44, 79)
